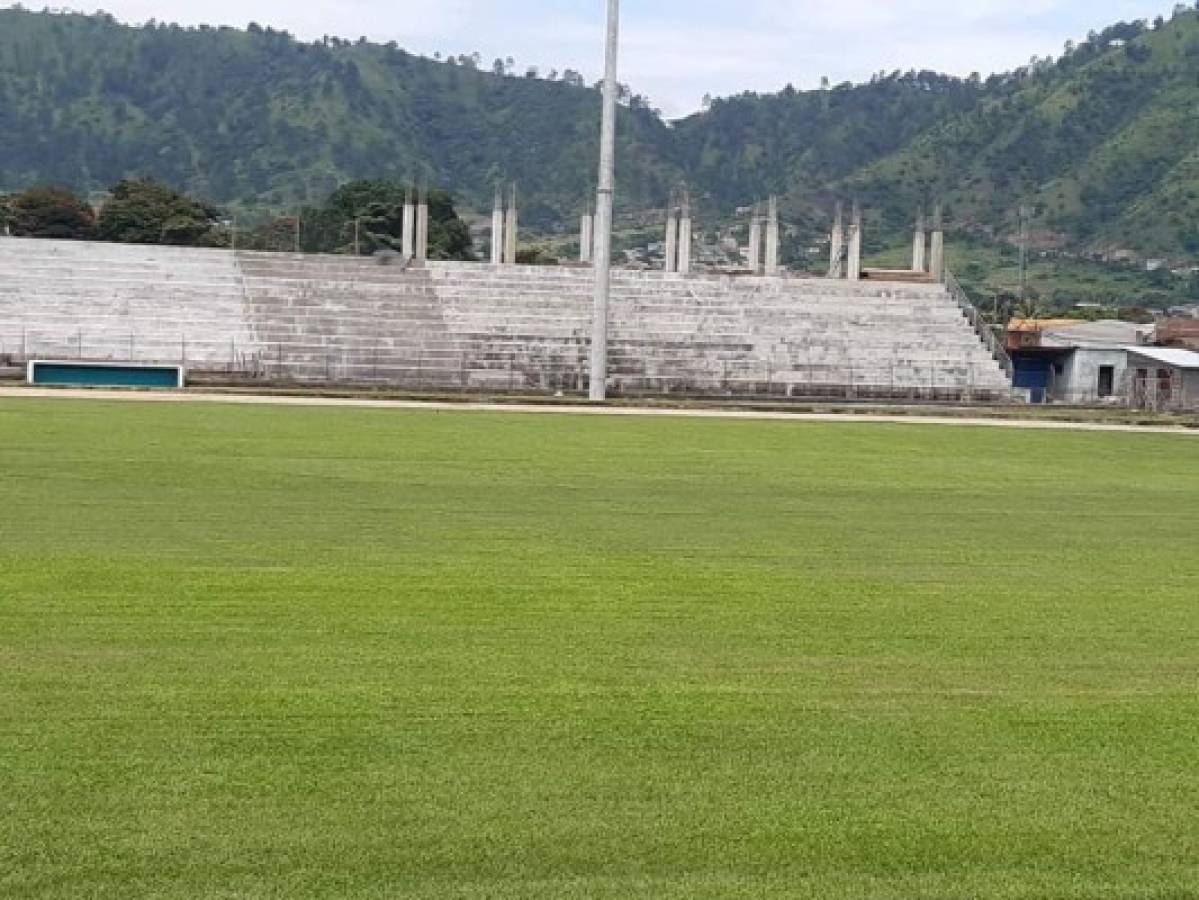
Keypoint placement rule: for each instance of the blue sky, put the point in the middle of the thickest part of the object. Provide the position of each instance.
(676, 51)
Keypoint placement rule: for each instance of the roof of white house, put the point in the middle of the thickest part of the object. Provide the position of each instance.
(1109, 334)
(1176, 359)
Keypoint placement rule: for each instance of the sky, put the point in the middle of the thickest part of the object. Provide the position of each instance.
(677, 51)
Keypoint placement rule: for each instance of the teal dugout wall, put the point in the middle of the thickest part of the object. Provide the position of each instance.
(83, 374)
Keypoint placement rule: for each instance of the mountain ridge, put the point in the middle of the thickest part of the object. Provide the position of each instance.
(1100, 143)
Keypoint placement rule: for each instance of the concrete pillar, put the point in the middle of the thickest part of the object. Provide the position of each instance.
(511, 229)
(772, 238)
(422, 229)
(408, 239)
(684, 266)
(937, 260)
(598, 387)
(755, 242)
(837, 247)
(919, 245)
(586, 237)
(854, 269)
(672, 241)
(497, 229)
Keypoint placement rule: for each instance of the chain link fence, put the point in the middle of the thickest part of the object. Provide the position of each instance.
(490, 368)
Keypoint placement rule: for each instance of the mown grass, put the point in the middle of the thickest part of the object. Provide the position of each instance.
(266, 652)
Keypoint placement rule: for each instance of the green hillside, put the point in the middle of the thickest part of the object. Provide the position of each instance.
(259, 118)
(1101, 144)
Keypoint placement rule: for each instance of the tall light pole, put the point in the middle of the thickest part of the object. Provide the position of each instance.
(1025, 212)
(603, 213)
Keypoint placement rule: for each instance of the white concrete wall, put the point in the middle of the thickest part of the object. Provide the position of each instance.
(473, 326)
(1190, 397)
(1079, 382)
(69, 300)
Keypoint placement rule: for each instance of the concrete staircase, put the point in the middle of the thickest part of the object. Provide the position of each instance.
(462, 326)
(75, 300)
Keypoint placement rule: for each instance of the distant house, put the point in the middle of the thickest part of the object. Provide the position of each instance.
(1067, 361)
(1163, 378)
(1180, 331)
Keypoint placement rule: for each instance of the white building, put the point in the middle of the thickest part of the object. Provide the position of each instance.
(1163, 378)
(1079, 362)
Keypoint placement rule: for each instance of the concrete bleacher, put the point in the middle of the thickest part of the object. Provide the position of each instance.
(74, 300)
(477, 327)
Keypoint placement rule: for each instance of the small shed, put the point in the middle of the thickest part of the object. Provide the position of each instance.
(1070, 361)
(1163, 378)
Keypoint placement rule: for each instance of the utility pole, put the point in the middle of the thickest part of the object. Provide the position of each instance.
(603, 212)
(1025, 212)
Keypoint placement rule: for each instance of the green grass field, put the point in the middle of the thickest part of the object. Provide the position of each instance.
(268, 652)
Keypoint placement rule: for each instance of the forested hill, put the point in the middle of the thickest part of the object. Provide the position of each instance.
(1101, 144)
(258, 117)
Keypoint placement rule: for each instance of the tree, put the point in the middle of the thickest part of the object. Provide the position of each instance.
(51, 212)
(145, 211)
(369, 214)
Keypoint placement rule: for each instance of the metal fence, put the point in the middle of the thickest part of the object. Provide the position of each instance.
(984, 329)
(482, 368)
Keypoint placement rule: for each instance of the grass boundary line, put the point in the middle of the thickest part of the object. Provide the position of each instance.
(619, 411)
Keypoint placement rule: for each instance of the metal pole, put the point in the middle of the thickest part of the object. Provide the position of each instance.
(603, 212)
(1024, 214)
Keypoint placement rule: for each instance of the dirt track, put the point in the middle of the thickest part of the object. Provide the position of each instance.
(558, 409)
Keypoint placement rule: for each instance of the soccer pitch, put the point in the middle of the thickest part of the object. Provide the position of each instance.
(264, 652)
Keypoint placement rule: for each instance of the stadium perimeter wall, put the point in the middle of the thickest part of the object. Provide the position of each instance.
(477, 327)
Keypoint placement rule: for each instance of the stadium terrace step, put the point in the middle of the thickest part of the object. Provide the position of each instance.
(475, 326)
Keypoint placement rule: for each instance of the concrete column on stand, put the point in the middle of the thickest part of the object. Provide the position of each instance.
(836, 261)
(586, 237)
(408, 239)
(672, 241)
(511, 229)
(772, 238)
(422, 227)
(920, 246)
(684, 266)
(497, 228)
(937, 261)
(854, 269)
(755, 242)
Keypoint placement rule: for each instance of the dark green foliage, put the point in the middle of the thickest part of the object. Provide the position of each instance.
(258, 119)
(535, 256)
(1098, 142)
(50, 212)
(144, 211)
(748, 146)
(368, 216)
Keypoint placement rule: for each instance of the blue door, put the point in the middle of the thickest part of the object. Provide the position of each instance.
(1032, 373)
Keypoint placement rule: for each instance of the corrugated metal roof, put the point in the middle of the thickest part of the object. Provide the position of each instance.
(1177, 359)
(1109, 333)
